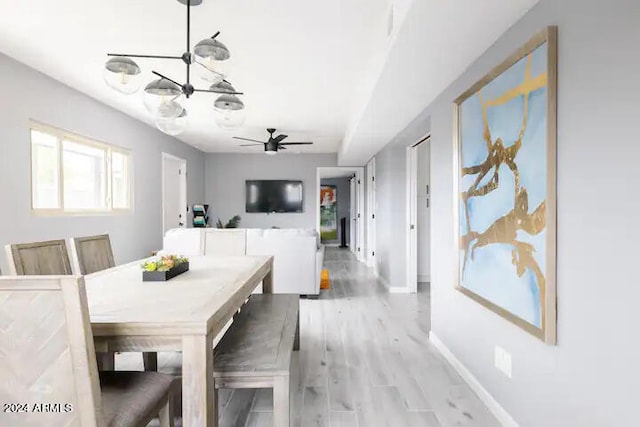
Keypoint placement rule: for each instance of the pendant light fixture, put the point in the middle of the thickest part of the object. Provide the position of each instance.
(123, 75)
(164, 97)
(173, 126)
(228, 107)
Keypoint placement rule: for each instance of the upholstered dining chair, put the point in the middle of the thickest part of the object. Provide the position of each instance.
(48, 364)
(91, 254)
(38, 258)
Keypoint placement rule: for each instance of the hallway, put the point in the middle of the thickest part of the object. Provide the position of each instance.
(365, 360)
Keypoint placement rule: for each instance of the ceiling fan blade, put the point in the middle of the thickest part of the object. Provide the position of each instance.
(249, 145)
(248, 139)
(296, 143)
(281, 147)
(280, 137)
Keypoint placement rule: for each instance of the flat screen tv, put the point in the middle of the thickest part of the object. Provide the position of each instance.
(273, 196)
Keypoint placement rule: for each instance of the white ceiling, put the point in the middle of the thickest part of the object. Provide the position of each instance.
(325, 71)
(438, 40)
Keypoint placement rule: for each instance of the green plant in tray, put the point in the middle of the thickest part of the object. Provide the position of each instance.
(164, 263)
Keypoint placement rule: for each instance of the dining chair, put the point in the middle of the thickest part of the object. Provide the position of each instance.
(91, 254)
(48, 363)
(38, 258)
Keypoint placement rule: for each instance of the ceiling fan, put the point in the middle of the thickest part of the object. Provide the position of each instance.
(273, 144)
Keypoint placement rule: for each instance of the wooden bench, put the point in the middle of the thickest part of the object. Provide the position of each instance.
(256, 350)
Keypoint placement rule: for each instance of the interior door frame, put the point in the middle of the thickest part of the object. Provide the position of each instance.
(359, 171)
(183, 188)
(412, 215)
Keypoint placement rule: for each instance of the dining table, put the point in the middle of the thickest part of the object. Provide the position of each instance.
(182, 314)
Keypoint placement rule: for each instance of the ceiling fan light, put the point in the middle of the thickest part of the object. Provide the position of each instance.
(164, 99)
(271, 153)
(173, 126)
(122, 74)
(214, 57)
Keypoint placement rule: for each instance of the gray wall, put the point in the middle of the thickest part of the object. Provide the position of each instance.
(343, 188)
(590, 378)
(28, 94)
(225, 186)
(391, 212)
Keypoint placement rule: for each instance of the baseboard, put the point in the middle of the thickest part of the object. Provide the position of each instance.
(422, 278)
(496, 409)
(394, 289)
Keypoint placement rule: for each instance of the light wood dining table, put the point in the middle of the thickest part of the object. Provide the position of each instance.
(182, 314)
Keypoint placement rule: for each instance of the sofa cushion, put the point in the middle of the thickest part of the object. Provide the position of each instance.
(292, 232)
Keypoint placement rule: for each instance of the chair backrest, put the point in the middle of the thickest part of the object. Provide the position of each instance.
(39, 258)
(47, 354)
(92, 253)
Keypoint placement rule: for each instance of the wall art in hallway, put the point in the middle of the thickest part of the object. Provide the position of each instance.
(506, 149)
(328, 212)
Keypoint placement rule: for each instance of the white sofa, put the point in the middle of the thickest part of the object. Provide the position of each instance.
(298, 254)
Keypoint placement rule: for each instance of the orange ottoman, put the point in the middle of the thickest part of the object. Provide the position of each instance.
(324, 279)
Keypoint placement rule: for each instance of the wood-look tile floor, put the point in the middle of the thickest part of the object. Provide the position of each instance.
(365, 361)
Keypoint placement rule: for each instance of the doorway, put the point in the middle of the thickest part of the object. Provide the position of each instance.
(174, 192)
(340, 204)
(418, 214)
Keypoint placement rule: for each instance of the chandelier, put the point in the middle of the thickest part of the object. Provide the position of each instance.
(165, 98)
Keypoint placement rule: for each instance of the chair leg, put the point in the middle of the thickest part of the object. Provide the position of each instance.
(281, 401)
(166, 412)
(106, 361)
(150, 361)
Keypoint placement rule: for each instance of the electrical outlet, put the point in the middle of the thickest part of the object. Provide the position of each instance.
(502, 360)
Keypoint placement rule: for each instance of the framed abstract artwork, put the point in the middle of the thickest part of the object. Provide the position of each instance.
(505, 145)
(328, 213)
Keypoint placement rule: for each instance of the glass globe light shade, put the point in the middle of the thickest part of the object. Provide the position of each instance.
(271, 153)
(222, 87)
(229, 111)
(213, 56)
(122, 74)
(164, 99)
(173, 126)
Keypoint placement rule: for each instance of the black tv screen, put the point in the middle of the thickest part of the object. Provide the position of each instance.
(273, 196)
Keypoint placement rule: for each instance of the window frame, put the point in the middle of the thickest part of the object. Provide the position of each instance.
(61, 136)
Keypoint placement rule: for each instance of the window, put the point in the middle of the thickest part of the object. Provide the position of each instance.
(72, 174)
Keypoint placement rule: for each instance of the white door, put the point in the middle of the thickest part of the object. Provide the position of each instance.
(362, 254)
(424, 213)
(174, 192)
(371, 215)
(413, 154)
(353, 216)
(412, 238)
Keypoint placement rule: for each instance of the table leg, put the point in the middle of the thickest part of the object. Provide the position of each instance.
(199, 409)
(106, 361)
(267, 282)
